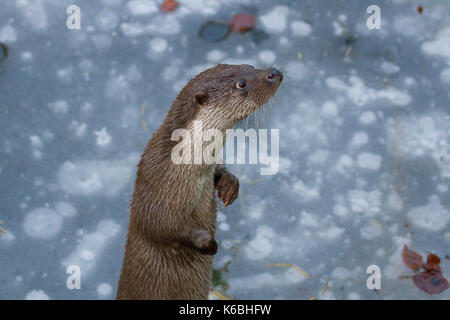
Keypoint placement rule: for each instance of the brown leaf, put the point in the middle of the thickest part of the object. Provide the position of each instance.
(242, 22)
(168, 5)
(432, 282)
(412, 259)
(433, 263)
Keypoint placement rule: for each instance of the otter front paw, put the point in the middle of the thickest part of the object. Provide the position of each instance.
(228, 186)
(205, 243)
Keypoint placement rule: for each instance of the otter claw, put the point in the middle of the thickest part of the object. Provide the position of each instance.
(228, 186)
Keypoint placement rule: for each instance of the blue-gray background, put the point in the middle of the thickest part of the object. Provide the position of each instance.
(364, 142)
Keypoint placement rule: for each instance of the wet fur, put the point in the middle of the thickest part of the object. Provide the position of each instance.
(171, 236)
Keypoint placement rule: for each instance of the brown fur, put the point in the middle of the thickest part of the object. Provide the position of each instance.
(171, 236)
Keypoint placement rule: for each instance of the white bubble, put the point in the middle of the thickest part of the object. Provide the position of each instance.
(389, 67)
(267, 56)
(37, 295)
(142, 7)
(445, 76)
(275, 20)
(8, 34)
(433, 216)
(107, 20)
(158, 45)
(330, 109)
(300, 28)
(65, 209)
(359, 138)
(367, 117)
(103, 137)
(104, 289)
(59, 106)
(42, 223)
(369, 161)
(216, 55)
(87, 255)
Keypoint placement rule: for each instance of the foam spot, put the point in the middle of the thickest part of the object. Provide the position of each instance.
(410, 81)
(389, 67)
(445, 76)
(91, 245)
(340, 273)
(79, 129)
(267, 56)
(158, 45)
(204, 7)
(276, 20)
(367, 118)
(36, 146)
(354, 296)
(367, 202)
(65, 209)
(6, 238)
(256, 210)
(26, 56)
(8, 34)
(331, 233)
(308, 220)
(330, 109)
(360, 94)
(369, 161)
(396, 266)
(107, 20)
(34, 14)
(266, 280)
(339, 25)
(89, 177)
(371, 231)
(142, 7)
(296, 70)
(59, 106)
(433, 216)
(37, 295)
(394, 201)
(359, 139)
(306, 193)
(426, 135)
(104, 289)
(440, 45)
(65, 74)
(216, 55)
(103, 137)
(171, 72)
(42, 223)
(340, 210)
(224, 226)
(285, 165)
(319, 157)
(328, 295)
(261, 245)
(300, 28)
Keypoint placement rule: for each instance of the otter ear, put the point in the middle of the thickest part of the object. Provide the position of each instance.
(201, 98)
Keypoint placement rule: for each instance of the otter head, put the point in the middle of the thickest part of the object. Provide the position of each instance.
(227, 94)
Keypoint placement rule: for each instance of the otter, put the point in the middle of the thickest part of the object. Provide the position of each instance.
(171, 235)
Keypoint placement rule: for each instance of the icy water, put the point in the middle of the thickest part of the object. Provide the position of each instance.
(364, 128)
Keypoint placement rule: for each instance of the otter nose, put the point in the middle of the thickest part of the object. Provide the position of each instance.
(274, 75)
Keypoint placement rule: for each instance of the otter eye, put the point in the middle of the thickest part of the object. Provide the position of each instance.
(241, 84)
